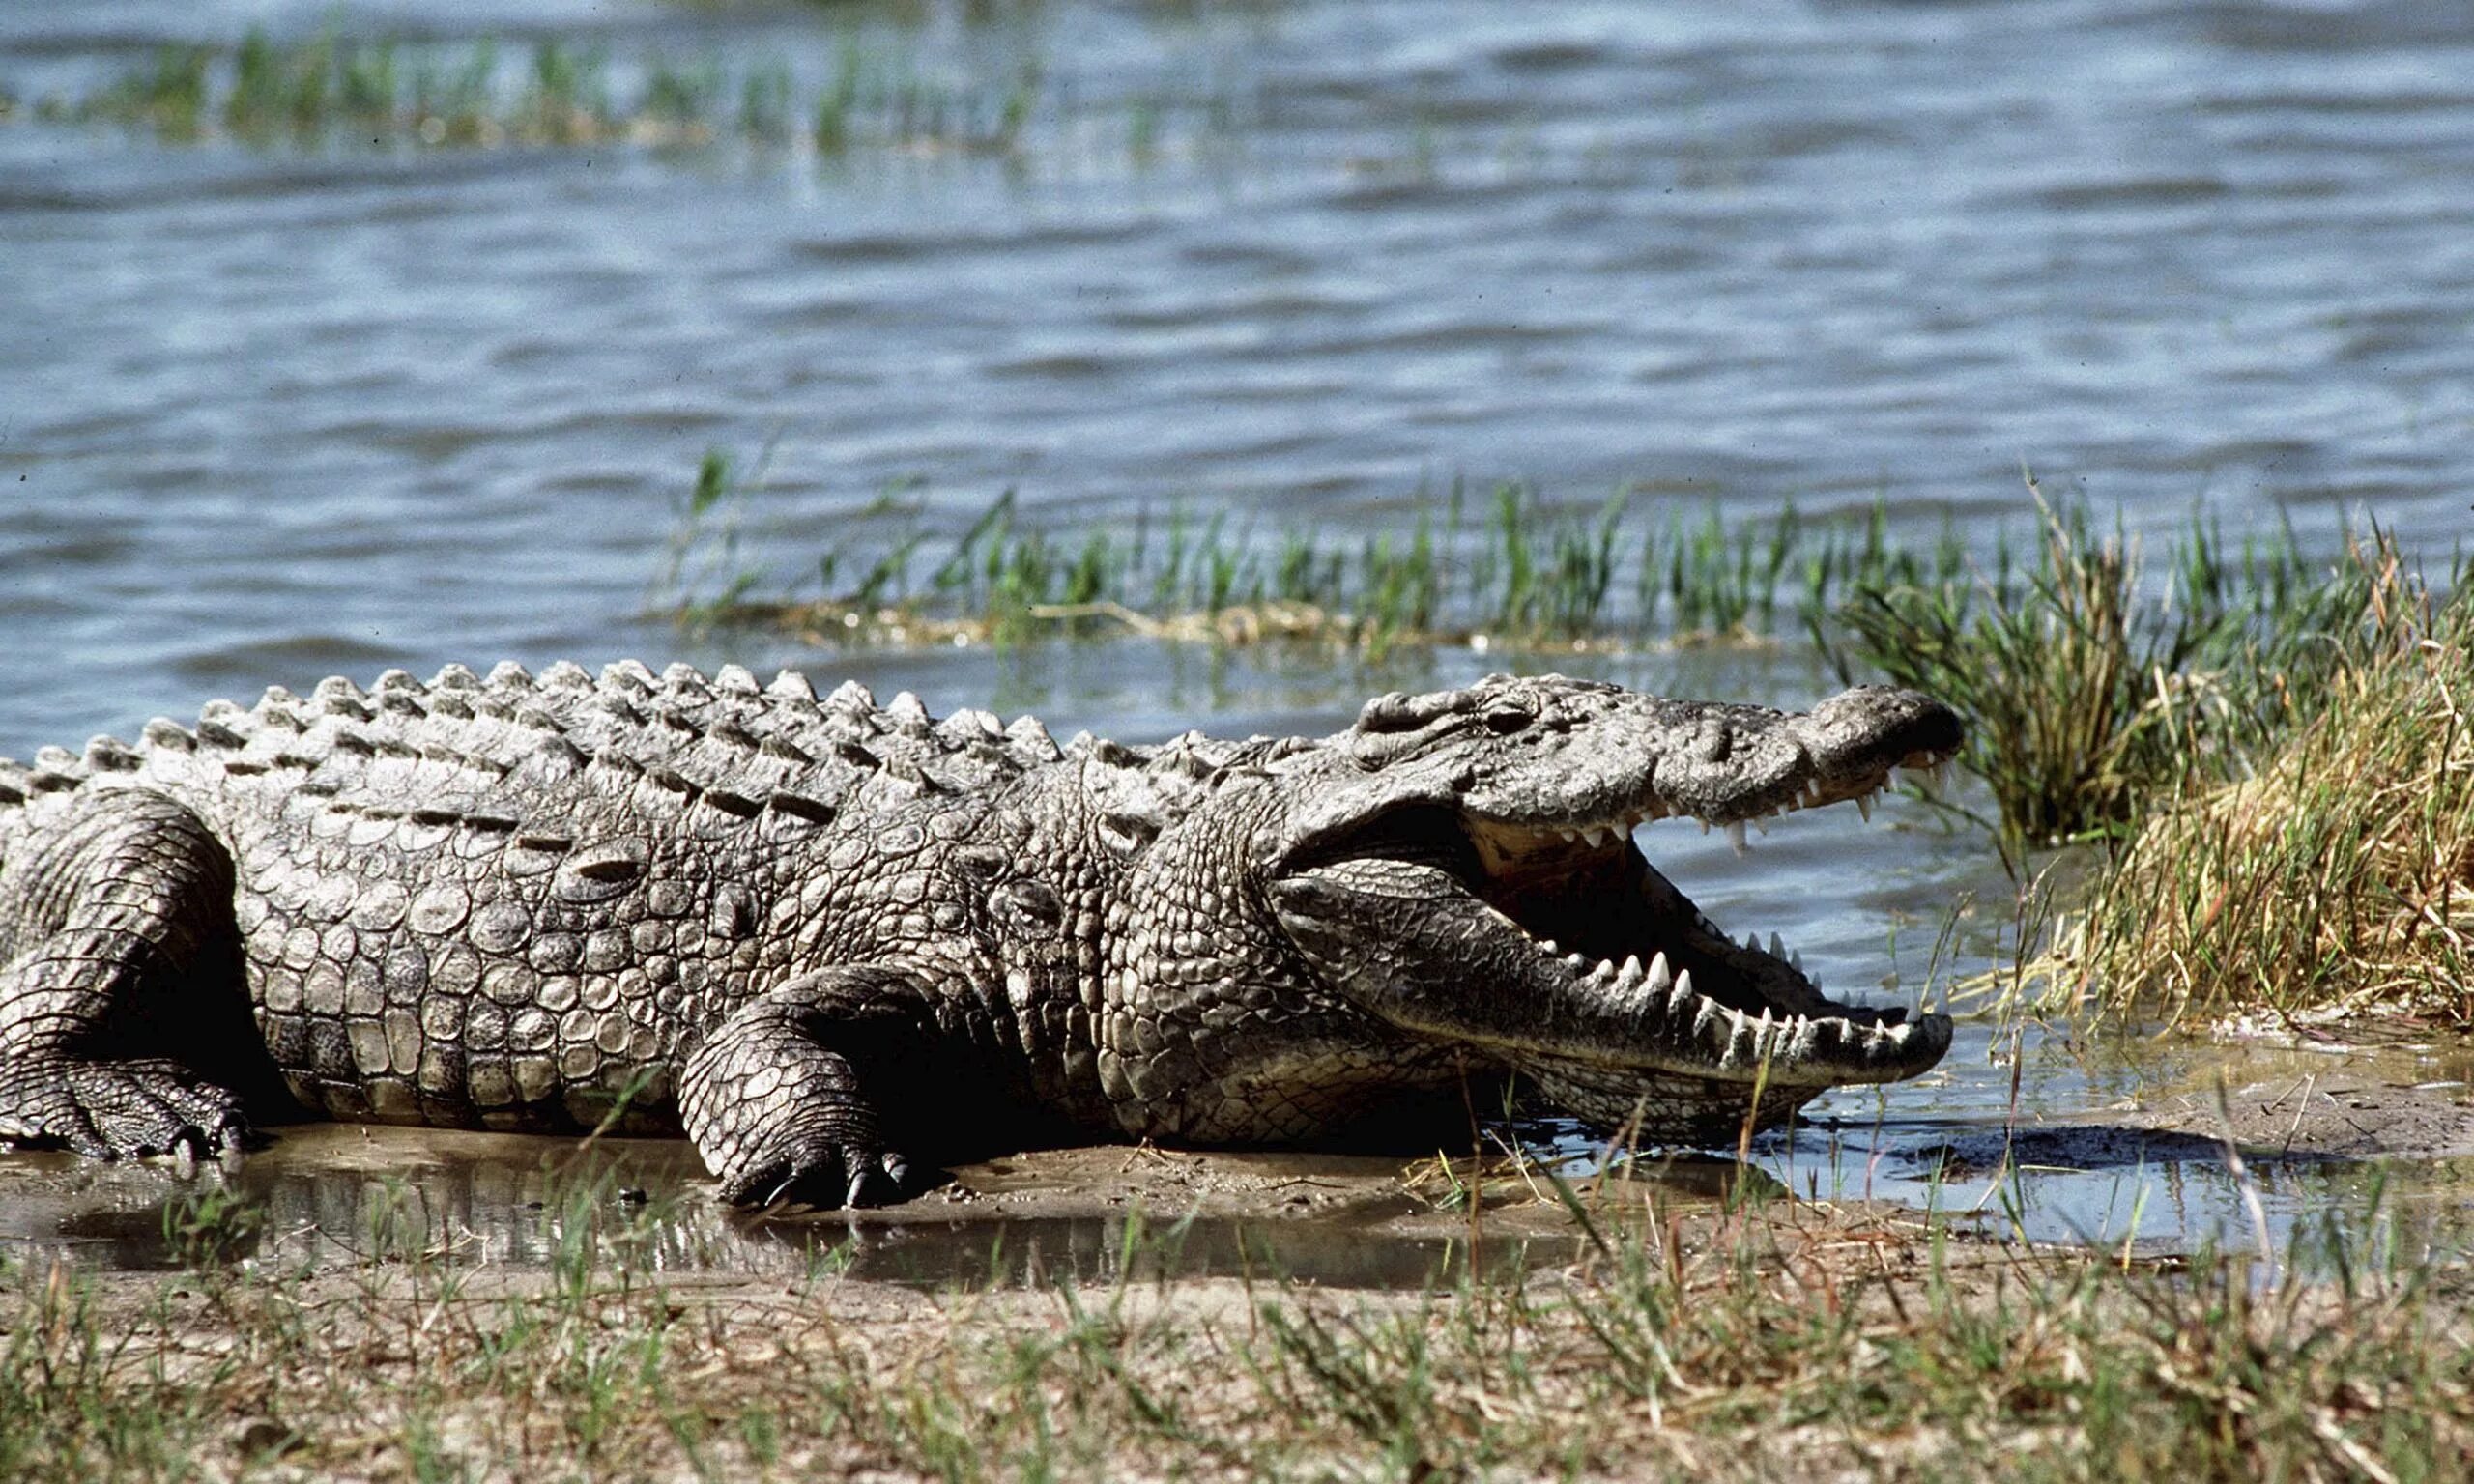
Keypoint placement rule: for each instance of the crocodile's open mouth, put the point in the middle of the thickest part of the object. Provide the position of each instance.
(1556, 946)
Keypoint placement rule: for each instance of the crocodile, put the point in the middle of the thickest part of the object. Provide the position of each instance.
(831, 940)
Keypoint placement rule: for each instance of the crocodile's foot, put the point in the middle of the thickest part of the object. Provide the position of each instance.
(119, 1110)
(817, 1173)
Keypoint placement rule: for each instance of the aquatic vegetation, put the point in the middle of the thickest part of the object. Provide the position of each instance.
(1504, 568)
(2328, 867)
(866, 91)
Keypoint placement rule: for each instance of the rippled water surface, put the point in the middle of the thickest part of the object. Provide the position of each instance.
(272, 408)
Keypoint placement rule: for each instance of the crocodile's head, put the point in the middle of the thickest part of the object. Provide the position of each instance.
(1469, 875)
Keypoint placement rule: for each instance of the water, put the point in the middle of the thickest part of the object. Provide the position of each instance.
(268, 411)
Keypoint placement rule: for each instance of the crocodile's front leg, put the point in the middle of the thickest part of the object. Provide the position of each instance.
(785, 1100)
(115, 934)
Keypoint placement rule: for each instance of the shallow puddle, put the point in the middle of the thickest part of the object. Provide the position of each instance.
(327, 1195)
(2122, 1144)
(2153, 1144)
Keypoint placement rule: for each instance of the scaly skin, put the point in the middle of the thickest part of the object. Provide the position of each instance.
(822, 936)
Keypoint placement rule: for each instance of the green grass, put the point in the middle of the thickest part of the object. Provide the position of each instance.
(2093, 683)
(1780, 1341)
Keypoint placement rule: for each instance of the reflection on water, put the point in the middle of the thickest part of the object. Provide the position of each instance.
(325, 1197)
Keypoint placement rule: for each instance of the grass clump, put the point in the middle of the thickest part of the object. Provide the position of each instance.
(2336, 872)
(2091, 688)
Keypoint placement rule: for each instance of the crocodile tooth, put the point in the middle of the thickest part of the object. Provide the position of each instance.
(1705, 826)
(1735, 836)
(1575, 961)
(1752, 941)
(1596, 835)
(1550, 948)
(1702, 1016)
(1760, 822)
(1777, 946)
(1796, 959)
(1662, 977)
(1737, 1028)
(1864, 806)
(1630, 974)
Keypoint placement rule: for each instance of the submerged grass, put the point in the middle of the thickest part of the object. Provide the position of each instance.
(1777, 1342)
(2335, 872)
(869, 91)
(1502, 566)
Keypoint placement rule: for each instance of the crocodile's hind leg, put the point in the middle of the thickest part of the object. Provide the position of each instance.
(111, 914)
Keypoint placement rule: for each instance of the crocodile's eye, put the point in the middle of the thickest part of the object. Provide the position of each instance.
(1502, 720)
